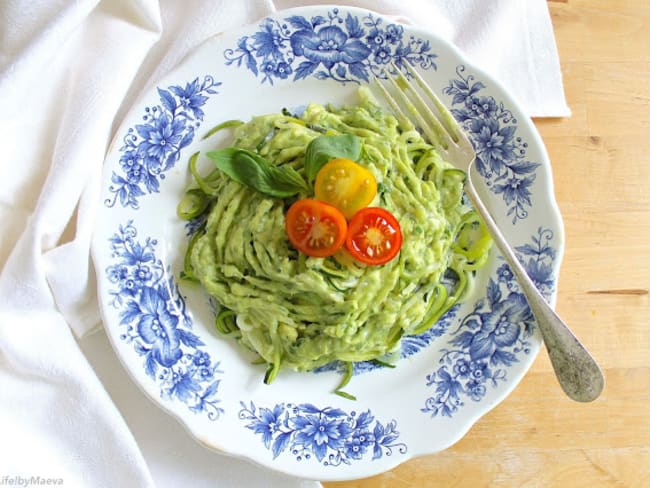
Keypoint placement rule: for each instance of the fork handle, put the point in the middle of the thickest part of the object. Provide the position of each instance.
(576, 370)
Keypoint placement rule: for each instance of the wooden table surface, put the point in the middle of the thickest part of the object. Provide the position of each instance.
(601, 167)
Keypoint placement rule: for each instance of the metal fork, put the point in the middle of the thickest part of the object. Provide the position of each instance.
(576, 370)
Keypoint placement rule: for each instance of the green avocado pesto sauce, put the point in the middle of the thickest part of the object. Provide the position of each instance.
(301, 312)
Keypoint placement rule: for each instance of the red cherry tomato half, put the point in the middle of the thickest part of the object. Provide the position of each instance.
(315, 228)
(374, 236)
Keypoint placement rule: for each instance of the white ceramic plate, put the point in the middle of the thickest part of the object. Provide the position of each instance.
(163, 331)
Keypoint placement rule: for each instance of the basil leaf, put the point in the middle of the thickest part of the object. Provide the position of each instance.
(253, 170)
(325, 148)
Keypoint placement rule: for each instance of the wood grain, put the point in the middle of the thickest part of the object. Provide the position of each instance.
(601, 166)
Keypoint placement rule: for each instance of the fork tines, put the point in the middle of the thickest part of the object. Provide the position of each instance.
(407, 101)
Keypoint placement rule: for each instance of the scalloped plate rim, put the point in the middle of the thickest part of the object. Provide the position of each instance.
(98, 250)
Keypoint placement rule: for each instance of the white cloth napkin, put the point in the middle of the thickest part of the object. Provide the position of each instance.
(69, 71)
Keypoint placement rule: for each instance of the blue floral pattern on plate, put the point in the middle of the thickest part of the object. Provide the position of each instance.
(153, 147)
(500, 154)
(152, 313)
(494, 335)
(479, 348)
(330, 435)
(329, 47)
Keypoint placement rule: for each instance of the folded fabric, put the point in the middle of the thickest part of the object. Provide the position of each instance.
(69, 71)
(512, 41)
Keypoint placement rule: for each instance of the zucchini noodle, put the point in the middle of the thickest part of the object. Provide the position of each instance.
(302, 312)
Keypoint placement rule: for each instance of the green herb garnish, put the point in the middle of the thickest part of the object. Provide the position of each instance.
(251, 169)
(325, 148)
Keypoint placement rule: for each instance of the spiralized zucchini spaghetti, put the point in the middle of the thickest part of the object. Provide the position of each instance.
(300, 312)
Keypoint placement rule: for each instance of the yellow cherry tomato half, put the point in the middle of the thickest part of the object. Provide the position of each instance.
(346, 185)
